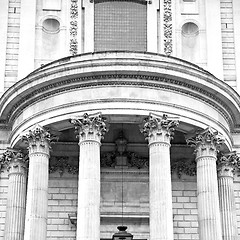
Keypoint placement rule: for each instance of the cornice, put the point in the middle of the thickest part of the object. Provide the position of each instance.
(129, 80)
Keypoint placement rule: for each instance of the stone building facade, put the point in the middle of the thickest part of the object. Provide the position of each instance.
(119, 112)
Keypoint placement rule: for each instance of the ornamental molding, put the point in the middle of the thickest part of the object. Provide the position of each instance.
(73, 27)
(167, 26)
(158, 125)
(110, 80)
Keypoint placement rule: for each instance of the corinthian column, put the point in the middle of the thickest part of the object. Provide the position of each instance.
(16, 200)
(206, 143)
(38, 141)
(226, 165)
(90, 131)
(159, 131)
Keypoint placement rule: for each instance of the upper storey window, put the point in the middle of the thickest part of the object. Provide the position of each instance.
(120, 25)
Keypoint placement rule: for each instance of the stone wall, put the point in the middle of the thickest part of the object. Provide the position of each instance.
(63, 202)
(11, 69)
(229, 69)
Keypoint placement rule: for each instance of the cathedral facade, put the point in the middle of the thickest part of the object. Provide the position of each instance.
(119, 113)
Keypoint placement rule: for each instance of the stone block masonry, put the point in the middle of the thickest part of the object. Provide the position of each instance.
(11, 69)
(228, 43)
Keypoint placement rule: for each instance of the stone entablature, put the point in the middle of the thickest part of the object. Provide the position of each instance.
(49, 94)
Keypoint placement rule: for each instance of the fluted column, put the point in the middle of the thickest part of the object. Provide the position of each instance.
(90, 131)
(38, 140)
(206, 143)
(159, 131)
(226, 165)
(16, 200)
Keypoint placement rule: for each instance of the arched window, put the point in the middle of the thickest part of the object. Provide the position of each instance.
(120, 25)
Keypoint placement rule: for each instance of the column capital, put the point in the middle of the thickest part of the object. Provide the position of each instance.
(89, 127)
(206, 142)
(15, 161)
(227, 164)
(159, 128)
(38, 139)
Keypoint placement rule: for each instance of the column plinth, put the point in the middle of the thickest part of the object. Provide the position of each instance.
(206, 143)
(226, 165)
(38, 140)
(90, 131)
(159, 131)
(16, 164)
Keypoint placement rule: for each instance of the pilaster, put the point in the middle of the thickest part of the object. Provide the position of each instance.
(226, 165)
(159, 131)
(90, 130)
(27, 38)
(16, 164)
(206, 143)
(38, 140)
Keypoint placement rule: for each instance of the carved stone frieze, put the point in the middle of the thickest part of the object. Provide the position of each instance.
(158, 125)
(73, 27)
(184, 166)
(15, 161)
(62, 164)
(88, 126)
(227, 164)
(167, 18)
(206, 142)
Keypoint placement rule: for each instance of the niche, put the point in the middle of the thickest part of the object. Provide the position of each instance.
(190, 42)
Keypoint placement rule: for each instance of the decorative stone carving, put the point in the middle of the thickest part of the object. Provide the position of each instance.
(167, 18)
(90, 126)
(14, 161)
(61, 164)
(184, 166)
(227, 164)
(37, 136)
(159, 125)
(73, 27)
(121, 157)
(206, 142)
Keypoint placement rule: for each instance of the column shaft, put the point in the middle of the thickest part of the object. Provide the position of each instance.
(227, 164)
(160, 199)
(88, 221)
(208, 202)
(16, 200)
(90, 131)
(227, 208)
(38, 140)
(37, 197)
(16, 205)
(206, 143)
(159, 131)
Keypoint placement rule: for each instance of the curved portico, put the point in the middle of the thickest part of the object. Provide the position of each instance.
(125, 87)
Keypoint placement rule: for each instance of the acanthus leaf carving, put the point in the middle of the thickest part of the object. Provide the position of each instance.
(158, 125)
(86, 124)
